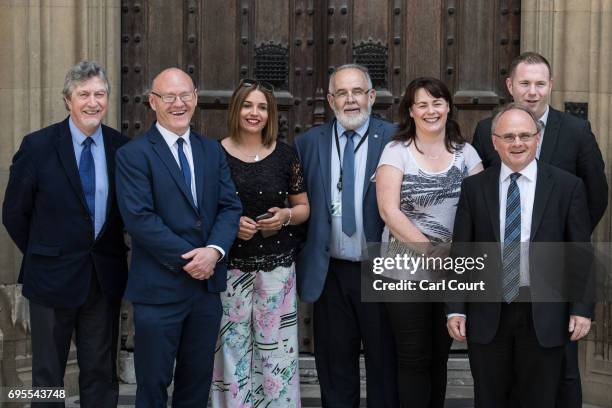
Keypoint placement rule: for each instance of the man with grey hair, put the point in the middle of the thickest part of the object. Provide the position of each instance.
(60, 210)
(517, 344)
(339, 160)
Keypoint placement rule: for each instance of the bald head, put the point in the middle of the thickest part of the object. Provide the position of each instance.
(173, 97)
(171, 74)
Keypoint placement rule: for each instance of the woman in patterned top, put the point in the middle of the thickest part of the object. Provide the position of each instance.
(256, 361)
(417, 184)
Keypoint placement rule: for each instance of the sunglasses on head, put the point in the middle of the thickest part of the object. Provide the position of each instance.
(266, 86)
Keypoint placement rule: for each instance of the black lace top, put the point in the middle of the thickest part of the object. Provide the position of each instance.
(261, 185)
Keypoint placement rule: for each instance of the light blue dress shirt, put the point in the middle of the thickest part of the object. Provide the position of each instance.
(99, 156)
(343, 246)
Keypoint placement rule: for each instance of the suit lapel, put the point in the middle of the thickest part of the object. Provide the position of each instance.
(544, 187)
(65, 150)
(197, 151)
(163, 151)
(324, 146)
(375, 145)
(551, 135)
(491, 195)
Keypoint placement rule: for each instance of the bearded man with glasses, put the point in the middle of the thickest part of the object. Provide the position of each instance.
(339, 160)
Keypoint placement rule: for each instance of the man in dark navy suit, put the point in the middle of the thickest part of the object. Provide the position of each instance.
(339, 160)
(60, 210)
(180, 207)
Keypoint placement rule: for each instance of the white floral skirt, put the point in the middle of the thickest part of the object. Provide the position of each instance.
(256, 359)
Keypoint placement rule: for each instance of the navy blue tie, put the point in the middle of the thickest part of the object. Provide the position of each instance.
(512, 241)
(184, 164)
(349, 225)
(87, 172)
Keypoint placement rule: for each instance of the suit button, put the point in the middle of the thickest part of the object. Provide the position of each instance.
(329, 220)
(198, 223)
(326, 248)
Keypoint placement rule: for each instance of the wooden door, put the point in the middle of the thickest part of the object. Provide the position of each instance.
(295, 44)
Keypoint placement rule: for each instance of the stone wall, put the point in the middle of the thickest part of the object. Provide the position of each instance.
(576, 37)
(41, 39)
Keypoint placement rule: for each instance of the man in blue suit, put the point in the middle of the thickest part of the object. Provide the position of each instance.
(60, 210)
(339, 160)
(180, 207)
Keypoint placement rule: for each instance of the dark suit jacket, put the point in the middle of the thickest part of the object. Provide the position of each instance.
(314, 148)
(45, 213)
(559, 215)
(162, 220)
(569, 144)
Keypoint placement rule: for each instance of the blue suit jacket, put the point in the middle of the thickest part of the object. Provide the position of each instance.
(45, 213)
(163, 221)
(314, 148)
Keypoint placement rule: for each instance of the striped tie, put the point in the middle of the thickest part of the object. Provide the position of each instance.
(512, 241)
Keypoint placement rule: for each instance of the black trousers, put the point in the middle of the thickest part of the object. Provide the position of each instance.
(341, 324)
(422, 344)
(570, 390)
(96, 324)
(513, 366)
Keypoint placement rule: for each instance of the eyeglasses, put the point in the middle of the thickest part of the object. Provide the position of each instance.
(356, 93)
(266, 86)
(511, 137)
(170, 98)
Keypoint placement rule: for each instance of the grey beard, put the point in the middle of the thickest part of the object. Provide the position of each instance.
(353, 123)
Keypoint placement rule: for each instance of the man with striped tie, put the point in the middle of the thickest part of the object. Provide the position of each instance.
(517, 344)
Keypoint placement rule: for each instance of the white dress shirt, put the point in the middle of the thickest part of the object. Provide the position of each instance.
(171, 139)
(99, 156)
(527, 185)
(343, 246)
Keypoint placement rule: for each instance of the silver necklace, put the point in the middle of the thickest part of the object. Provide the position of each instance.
(255, 157)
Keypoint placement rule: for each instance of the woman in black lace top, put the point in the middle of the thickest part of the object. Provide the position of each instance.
(256, 362)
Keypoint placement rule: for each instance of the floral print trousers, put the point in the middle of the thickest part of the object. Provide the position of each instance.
(256, 359)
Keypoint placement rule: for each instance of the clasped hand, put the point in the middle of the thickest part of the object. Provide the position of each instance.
(202, 262)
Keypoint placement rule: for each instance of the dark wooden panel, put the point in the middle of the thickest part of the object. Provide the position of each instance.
(480, 38)
(475, 35)
(422, 37)
(164, 37)
(272, 20)
(219, 46)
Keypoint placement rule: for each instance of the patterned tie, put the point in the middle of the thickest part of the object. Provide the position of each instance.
(87, 172)
(348, 185)
(184, 164)
(512, 241)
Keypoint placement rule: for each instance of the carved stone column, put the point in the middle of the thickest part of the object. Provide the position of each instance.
(575, 36)
(41, 39)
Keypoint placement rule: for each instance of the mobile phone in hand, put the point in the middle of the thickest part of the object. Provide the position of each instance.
(265, 216)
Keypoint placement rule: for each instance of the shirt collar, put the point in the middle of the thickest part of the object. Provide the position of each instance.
(360, 131)
(171, 137)
(544, 117)
(79, 136)
(529, 172)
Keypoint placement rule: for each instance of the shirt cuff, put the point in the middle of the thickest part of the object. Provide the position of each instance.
(448, 316)
(218, 248)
